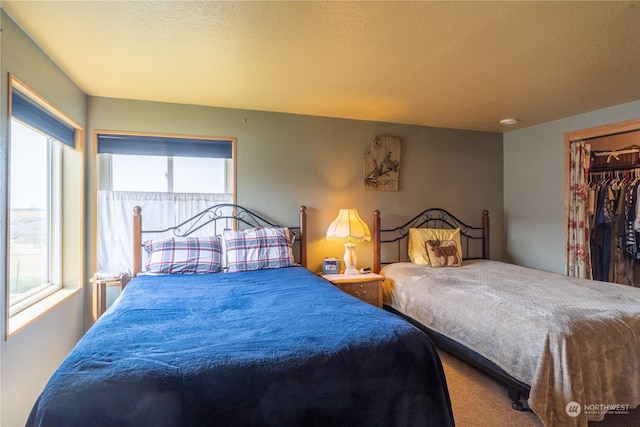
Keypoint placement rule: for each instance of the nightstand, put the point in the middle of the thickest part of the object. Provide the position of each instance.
(100, 291)
(367, 287)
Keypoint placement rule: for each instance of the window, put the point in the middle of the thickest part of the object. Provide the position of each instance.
(165, 164)
(137, 173)
(34, 216)
(199, 175)
(172, 177)
(39, 136)
(166, 173)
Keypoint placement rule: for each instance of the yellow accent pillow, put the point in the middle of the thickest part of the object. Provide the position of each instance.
(418, 238)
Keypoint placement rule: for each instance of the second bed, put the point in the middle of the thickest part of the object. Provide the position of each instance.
(572, 346)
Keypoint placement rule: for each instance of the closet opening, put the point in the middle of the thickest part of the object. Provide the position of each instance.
(602, 203)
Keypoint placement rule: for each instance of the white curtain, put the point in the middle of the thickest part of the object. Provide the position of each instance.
(159, 211)
(578, 250)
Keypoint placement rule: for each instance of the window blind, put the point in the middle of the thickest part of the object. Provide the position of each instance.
(33, 114)
(164, 146)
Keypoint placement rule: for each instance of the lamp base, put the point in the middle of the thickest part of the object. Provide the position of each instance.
(350, 259)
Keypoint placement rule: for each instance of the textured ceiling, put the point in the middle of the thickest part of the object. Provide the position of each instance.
(462, 65)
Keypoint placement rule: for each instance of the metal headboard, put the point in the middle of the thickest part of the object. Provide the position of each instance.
(397, 238)
(221, 216)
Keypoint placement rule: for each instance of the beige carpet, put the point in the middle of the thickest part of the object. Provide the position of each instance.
(480, 401)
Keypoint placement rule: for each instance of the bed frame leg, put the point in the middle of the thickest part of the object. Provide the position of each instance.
(515, 397)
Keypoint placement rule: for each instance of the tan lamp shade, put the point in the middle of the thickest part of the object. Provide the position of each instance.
(348, 227)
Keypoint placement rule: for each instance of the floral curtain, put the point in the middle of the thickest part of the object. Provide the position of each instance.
(578, 253)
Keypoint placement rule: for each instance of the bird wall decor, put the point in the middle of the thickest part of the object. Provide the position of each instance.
(382, 164)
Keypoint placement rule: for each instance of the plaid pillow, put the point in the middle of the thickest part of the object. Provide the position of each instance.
(258, 248)
(184, 255)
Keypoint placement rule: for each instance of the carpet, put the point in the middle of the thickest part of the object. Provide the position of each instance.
(478, 400)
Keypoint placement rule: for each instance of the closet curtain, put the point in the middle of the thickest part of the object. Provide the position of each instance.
(159, 210)
(578, 250)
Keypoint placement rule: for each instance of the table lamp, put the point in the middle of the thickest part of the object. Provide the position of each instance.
(351, 229)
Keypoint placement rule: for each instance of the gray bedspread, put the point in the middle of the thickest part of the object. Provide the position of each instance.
(574, 341)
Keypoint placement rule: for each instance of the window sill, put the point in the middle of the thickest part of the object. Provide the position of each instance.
(37, 310)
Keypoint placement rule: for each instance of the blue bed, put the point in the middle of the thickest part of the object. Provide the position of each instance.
(270, 347)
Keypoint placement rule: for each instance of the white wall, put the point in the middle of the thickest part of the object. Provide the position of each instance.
(534, 186)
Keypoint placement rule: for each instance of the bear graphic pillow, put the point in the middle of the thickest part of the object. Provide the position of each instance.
(443, 253)
(418, 238)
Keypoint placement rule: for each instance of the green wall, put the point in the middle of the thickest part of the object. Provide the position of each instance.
(30, 356)
(283, 161)
(287, 160)
(534, 196)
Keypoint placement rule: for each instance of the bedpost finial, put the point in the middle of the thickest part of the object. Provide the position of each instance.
(303, 208)
(485, 212)
(137, 210)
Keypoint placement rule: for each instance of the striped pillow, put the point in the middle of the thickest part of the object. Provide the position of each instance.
(184, 255)
(258, 248)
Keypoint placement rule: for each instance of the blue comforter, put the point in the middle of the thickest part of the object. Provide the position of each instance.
(276, 347)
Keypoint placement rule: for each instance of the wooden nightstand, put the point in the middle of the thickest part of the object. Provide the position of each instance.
(100, 291)
(367, 287)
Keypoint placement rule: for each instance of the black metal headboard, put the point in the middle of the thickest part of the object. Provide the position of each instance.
(221, 216)
(474, 239)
